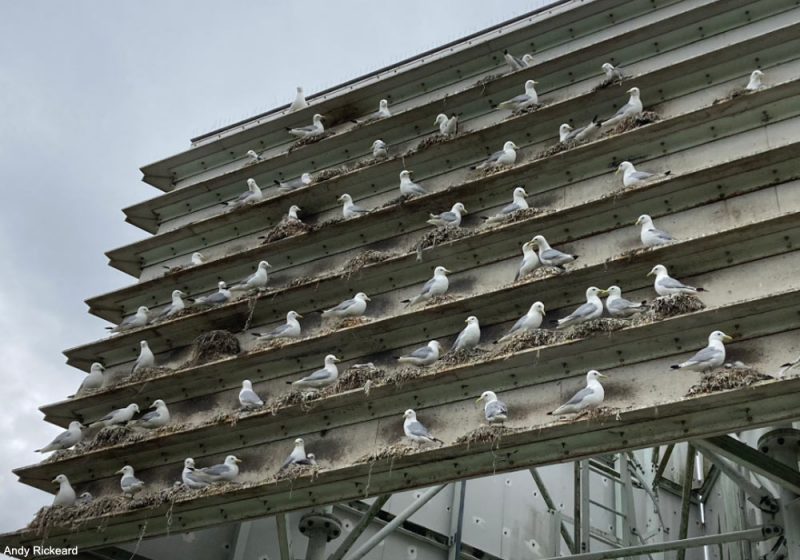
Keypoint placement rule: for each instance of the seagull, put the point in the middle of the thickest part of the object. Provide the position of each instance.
(310, 131)
(379, 150)
(256, 281)
(129, 484)
(631, 108)
(506, 156)
(530, 260)
(383, 112)
(423, 356)
(452, 218)
(252, 195)
(94, 379)
(293, 184)
(415, 431)
(549, 256)
(710, 357)
(495, 411)
(523, 101)
(84, 499)
(292, 214)
(146, 358)
(592, 309)
(290, 329)
(190, 476)
(755, 83)
(354, 307)
(221, 296)
(631, 177)
(409, 188)
(612, 73)
(65, 439)
(447, 126)
(650, 235)
(66, 494)
(140, 319)
(299, 101)
(253, 156)
(117, 417)
(589, 397)
(667, 286)
(225, 472)
(469, 337)
(297, 456)
(434, 287)
(248, 398)
(568, 134)
(518, 203)
(198, 259)
(531, 321)
(320, 378)
(515, 62)
(349, 209)
(786, 368)
(157, 418)
(618, 306)
(312, 459)
(176, 306)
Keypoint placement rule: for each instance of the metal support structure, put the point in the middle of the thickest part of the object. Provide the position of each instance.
(456, 520)
(662, 465)
(755, 534)
(586, 522)
(321, 527)
(242, 536)
(551, 506)
(686, 495)
(756, 495)
(360, 527)
(782, 445)
(373, 541)
(628, 512)
(283, 537)
(755, 461)
(646, 487)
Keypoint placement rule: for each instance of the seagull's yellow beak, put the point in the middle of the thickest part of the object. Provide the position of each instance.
(298, 315)
(601, 375)
(727, 338)
(479, 399)
(237, 460)
(119, 472)
(448, 271)
(602, 293)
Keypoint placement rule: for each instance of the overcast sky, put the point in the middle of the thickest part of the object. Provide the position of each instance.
(92, 90)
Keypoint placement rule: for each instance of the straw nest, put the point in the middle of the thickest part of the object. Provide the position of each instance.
(212, 346)
(387, 452)
(293, 472)
(287, 228)
(491, 434)
(723, 379)
(634, 121)
(355, 377)
(310, 140)
(440, 235)
(365, 258)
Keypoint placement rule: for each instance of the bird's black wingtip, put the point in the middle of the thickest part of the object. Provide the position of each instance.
(675, 366)
(667, 172)
(276, 182)
(550, 413)
(288, 382)
(701, 290)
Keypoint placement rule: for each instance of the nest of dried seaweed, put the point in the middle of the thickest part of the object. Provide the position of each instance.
(142, 374)
(440, 235)
(365, 258)
(387, 452)
(555, 149)
(458, 357)
(514, 217)
(405, 374)
(73, 517)
(293, 397)
(723, 379)
(212, 346)
(491, 170)
(669, 306)
(607, 82)
(429, 141)
(395, 201)
(177, 315)
(738, 92)
(635, 121)
(272, 344)
(310, 140)
(293, 472)
(491, 434)
(528, 339)
(587, 328)
(536, 274)
(287, 228)
(486, 79)
(355, 377)
(331, 172)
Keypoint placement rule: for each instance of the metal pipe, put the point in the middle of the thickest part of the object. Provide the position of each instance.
(756, 495)
(756, 534)
(373, 541)
(781, 444)
(551, 506)
(283, 537)
(576, 504)
(457, 520)
(360, 527)
(585, 518)
(686, 496)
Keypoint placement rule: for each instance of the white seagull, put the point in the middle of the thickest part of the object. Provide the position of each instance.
(568, 134)
(65, 439)
(93, 380)
(423, 356)
(518, 202)
(522, 101)
(383, 112)
(116, 417)
(668, 286)
(531, 321)
(190, 476)
(298, 455)
(448, 126)
(515, 62)
(409, 188)
(221, 296)
(549, 256)
(530, 260)
(253, 157)
(146, 358)
(415, 431)
(320, 378)
(293, 184)
(434, 287)
(176, 306)
(140, 319)
(252, 195)
(310, 131)
(592, 309)
(256, 281)
(631, 177)
(451, 218)
(710, 357)
(66, 494)
(299, 101)
(290, 329)
(379, 150)
(129, 484)
(495, 411)
(157, 418)
(292, 216)
(631, 108)
(755, 83)
(350, 209)
(587, 398)
(354, 307)
(650, 235)
(248, 399)
(469, 337)
(612, 73)
(226, 472)
(618, 306)
(506, 156)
